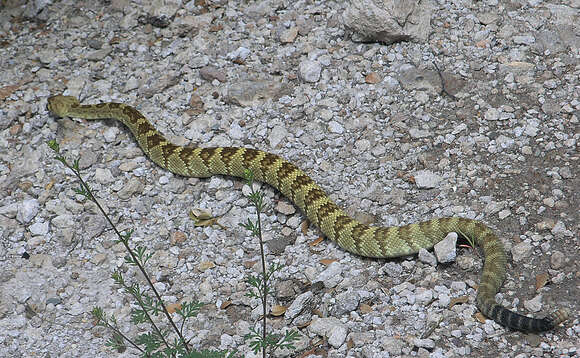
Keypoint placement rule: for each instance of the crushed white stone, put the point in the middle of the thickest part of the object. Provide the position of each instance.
(498, 145)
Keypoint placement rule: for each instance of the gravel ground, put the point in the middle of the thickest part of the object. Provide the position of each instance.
(368, 121)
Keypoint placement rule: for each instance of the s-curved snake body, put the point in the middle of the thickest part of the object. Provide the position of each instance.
(348, 233)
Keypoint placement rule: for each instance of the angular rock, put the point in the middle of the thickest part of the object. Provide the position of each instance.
(133, 186)
(426, 179)
(521, 251)
(534, 305)
(331, 276)
(445, 250)
(346, 302)
(210, 73)
(27, 210)
(412, 78)
(288, 35)
(299, 305)
(277, 135)
(392, 269)
(331, 328)
(337, 335)
(389, 21)
(309, 71)
(427, 257)
(39, 228)
(557, 260)
(251, 92)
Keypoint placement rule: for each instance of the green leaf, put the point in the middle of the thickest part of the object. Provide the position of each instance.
(117, 276)
(53, 144)
(129, 260)
(290, 337)
(119, 342)
(138, 316)
(189, 309)
(149, 340)
(97, 312)
(126, 236)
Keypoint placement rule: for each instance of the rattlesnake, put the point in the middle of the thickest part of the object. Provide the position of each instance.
(348, 233)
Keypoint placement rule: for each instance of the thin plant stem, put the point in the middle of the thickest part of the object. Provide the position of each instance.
(117, 331)
(125, 242)
(264, 277)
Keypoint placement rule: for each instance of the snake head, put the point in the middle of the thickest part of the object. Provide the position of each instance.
(61, 105)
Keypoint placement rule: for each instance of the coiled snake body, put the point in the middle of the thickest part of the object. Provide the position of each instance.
(351, 235)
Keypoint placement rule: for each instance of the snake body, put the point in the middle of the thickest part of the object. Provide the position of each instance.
(292, 182)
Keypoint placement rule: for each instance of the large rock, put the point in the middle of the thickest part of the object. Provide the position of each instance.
(389, 21)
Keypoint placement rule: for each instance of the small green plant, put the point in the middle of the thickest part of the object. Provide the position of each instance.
(263, 341)
(158, 342)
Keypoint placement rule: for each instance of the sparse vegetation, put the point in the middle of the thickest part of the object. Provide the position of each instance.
(168, 340)
(263, 341)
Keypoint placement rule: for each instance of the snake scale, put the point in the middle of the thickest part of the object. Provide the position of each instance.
(348, 233)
